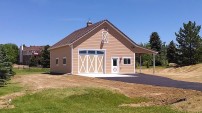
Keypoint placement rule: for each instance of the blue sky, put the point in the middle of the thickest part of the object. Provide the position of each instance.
(41, 22)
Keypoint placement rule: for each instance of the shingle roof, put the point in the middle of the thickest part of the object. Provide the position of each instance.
(76, 35)
(83, 31)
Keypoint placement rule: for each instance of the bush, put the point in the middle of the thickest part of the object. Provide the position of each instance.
(2, 82)
(146, 63)
(34, 61)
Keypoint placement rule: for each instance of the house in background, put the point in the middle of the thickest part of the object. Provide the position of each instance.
(96, 48)
(27, 52)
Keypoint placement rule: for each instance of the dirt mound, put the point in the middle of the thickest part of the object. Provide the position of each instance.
(193, 69)
(191, 73)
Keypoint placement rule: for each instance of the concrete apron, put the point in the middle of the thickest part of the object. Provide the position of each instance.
(106, 75)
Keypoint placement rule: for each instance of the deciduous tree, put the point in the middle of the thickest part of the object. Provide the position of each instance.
(12, 52)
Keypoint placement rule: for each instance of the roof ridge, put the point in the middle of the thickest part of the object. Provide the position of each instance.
(76, 34)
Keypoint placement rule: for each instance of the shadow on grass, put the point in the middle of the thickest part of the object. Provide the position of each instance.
(49, 73)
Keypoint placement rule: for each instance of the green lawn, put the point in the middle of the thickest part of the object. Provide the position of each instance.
(31, 71)
(9, 88)
(80, 100)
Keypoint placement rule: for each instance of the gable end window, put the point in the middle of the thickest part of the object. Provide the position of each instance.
(126, 61)
(57, 61)
(64, 60)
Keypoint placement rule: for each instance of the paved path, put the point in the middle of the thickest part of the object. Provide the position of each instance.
(157, 81)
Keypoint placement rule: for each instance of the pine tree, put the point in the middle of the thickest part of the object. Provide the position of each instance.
(200, 52)
(5, 67)
(45, 57)
(172, 52)
(189, 43)
(156, 44)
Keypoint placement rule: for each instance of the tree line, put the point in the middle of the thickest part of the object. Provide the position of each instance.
(43, 59)
(9, 55)
(186, 51)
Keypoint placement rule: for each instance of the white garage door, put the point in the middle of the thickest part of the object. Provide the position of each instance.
(91, 61)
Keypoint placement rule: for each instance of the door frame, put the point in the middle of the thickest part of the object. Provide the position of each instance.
(118, 65)
(104, 66)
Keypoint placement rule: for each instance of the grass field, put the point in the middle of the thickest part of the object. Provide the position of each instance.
(30, 71)
(80, 100)
(10, 88)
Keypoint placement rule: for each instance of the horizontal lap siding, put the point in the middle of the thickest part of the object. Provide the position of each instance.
(60, 53)
(117, 47)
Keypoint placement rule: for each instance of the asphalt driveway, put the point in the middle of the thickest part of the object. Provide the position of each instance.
(157, 81)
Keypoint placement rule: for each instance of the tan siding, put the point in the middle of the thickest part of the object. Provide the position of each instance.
(60, 53)
(118, 46)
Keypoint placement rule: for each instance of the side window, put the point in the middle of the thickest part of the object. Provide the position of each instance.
(57, 61)
(64, 60)
(126, 61)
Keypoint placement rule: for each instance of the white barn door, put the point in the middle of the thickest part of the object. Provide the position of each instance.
(91, 61)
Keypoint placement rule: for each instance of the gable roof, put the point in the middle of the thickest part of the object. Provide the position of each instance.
(78, 34)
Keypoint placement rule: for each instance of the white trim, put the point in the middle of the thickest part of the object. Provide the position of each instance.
(87, 63)
(78, 61)
(134, 64)
(118, 66)
(96, 57)
(58, 61)
(65, 62)
(127, 58)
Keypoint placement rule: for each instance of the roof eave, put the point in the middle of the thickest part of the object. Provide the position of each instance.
(59, 46)
(134, 44)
